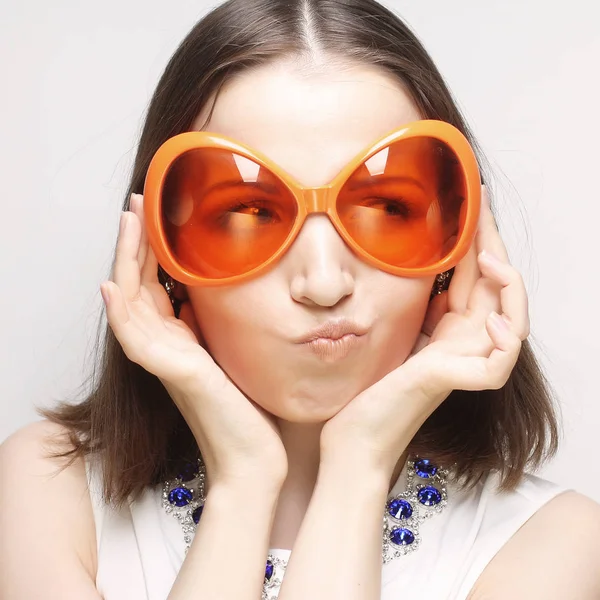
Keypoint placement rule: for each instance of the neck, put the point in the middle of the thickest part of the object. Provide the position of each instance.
(302, 445)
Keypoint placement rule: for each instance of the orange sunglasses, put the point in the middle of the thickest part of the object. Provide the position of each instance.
(218, 212)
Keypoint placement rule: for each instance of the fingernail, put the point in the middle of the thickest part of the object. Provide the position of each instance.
(123, 223)
(104, 293)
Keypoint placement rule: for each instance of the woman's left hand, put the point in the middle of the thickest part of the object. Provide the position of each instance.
(470, 340)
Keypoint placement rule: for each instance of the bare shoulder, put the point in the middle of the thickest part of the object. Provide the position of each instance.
(554, 555)
(46, 513)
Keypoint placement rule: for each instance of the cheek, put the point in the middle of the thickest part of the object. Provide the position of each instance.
(265, 368)
(399, 327)
(216, 317)
(233, 332)
(224, 333)
(409, 318)
(254, 362)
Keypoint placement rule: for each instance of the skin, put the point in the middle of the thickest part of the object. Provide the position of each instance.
(468, 338)
(330, 117)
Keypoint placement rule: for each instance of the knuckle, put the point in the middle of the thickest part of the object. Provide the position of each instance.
(516, 344)
(498, 381)
(497, 378)
(515, 276)
(130, 353)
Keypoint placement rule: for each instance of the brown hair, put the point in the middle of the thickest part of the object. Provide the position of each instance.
(127, 417)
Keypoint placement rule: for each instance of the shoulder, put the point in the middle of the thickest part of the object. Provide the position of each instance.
(554, 555)
(55, 499)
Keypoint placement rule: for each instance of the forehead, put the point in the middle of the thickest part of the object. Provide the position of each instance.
(310, 124)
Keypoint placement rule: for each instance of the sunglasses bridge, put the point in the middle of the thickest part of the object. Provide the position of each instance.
(315, 199)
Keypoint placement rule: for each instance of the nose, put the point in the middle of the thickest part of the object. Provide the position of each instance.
(321, 263)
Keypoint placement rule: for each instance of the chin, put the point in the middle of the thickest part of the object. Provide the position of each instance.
(306, 410)
(305, 419)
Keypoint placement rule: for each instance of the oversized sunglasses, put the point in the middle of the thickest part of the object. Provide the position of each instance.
(218, 212)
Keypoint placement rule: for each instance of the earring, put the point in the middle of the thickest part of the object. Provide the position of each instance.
(169, 286)
(441, 284)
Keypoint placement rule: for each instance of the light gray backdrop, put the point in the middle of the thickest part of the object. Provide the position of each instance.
(76, 78)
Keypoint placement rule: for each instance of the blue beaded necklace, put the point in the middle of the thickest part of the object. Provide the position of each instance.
(425, 494)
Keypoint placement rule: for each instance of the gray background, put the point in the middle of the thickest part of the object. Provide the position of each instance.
(76, 78)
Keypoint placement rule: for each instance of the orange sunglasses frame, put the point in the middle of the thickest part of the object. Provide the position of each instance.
(309, 200)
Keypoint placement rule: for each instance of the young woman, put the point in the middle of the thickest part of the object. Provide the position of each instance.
(315, 380)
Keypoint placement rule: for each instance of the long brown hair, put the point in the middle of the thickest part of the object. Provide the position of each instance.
(126, 416)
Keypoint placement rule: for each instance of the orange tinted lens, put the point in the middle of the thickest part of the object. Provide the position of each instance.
(403, 205)
(224, 214)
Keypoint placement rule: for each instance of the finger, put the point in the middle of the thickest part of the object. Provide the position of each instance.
(488, 237)
(486, 293)
(116, 307)
(137, 207)
(188, 316)
(121, 321)
(437, 308)
(150, 268)
(152, 284)
(126, 272)
(484, 373)
(161, 300)
(466, 274)
(137, 328)
(461, 336)
(151, 289)
(514, 302)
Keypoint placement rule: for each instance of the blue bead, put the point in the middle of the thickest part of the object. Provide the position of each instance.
(429, 496)
(269, 571)
(399, 508)
(188, 472)
(401, 536)
(180, 496)
(424, 468)
(197, 513)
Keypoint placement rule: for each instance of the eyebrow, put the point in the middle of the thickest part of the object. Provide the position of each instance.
(356, 185)
(266, 187)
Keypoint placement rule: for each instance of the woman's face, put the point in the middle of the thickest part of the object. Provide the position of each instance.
(311, 125)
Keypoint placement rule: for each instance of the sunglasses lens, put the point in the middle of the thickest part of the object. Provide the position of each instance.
(403, 205)
(224, 214)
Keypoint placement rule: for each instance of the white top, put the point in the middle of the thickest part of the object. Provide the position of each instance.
(141, 547)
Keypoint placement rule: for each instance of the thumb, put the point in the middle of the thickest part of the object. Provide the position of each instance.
(437, 308)
(186, 314)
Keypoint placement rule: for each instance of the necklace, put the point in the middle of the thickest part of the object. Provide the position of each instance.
(184, 498)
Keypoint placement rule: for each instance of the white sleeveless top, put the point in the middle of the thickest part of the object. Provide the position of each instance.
(141, 547)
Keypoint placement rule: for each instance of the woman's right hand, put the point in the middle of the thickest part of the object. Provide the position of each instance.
(238, 439)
